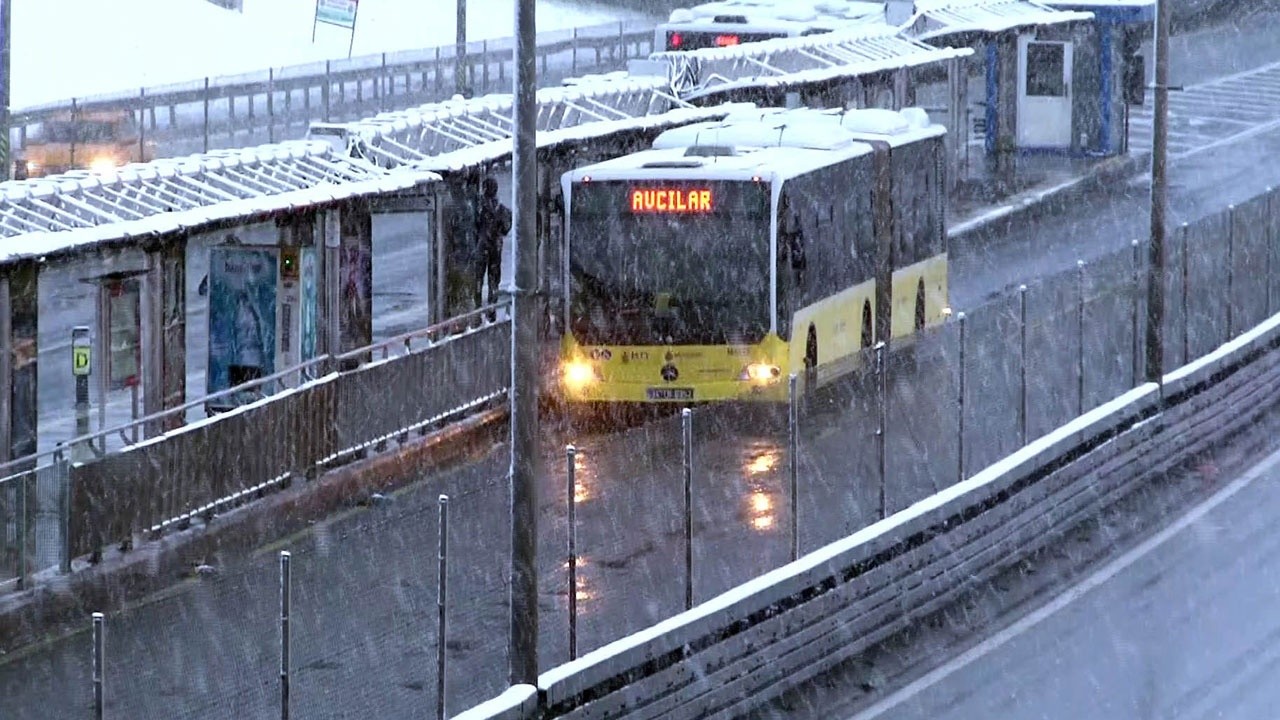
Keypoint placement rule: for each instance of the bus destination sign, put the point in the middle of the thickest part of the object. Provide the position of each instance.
(671, 200)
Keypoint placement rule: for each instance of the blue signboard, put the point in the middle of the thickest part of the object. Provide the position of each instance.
(308, 319)
(337, 12)
(242, 315)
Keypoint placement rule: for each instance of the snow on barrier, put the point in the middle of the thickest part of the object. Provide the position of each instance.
(750, 644)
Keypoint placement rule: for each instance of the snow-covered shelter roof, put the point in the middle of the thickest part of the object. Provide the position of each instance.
(459, 133)
(60, 213)
(801, 60)
(937, 18)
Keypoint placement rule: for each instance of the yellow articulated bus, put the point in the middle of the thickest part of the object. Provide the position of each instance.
(733, 253)
(98, 141)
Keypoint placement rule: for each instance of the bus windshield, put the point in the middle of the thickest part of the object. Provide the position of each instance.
(669, 263)
(82, 131)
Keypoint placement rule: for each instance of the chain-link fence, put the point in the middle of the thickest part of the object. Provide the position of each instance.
(933, 410)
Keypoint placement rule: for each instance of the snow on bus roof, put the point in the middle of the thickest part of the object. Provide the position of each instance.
(794, 10)
(769, 163)
(804, 127)
(767, 142)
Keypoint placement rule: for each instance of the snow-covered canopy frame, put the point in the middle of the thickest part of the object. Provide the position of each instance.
(807, 59)
(937, 18)
(60, 213)
(461, 133)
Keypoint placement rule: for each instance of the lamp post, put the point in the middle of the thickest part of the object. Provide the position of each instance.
(1159, 199)
(524, 359)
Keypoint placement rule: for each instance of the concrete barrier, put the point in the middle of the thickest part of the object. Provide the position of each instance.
(519, 701)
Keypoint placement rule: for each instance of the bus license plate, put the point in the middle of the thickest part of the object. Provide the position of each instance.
(665, 393)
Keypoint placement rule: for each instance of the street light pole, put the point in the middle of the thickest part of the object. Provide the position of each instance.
(6, 24)
(525, 353)
(1159, 199)
(460, 51)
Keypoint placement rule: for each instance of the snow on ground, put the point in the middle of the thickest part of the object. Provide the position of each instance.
(72, 48)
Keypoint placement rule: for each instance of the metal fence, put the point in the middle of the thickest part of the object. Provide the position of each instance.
(305, 418)
(279, 103)
(646, 534)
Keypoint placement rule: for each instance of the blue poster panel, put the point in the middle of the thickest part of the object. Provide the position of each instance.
(25, 310)
(242, 315)
(337, 12)
(356, 282)
(308, 315)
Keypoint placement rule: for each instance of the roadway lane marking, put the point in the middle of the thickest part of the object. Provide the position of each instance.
(1070, 595)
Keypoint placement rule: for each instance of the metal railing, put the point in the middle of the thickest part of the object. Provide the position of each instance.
(285, 426)
(279, 103)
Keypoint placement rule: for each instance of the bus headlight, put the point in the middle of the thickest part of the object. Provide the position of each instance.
(760, 372)
(577, 374)
(103, 163)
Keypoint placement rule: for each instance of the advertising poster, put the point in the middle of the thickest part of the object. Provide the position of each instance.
(242, 315)
(174, 328)
(308, 315)
(124, 318)
(337, 12)
(355, 305)
(24, 305)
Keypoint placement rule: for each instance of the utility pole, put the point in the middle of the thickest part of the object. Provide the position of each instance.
(525, 354)
(6, 24)
(1159, 199)
(460, 51)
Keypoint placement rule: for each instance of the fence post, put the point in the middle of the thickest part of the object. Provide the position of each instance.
(382, 85)
(1137, 293)
(442, 595)
(1231, 275)
(484, 69)
(64, 510)
(571, 492)
(285, 582)
(142, 125)
(622, 42)
(793, 461)
(881, 422)
(573, 62)
(1268, 224)
(99, 663)
(1080, 331)
(22, 529)
(206, 114)
(1022, 332)
(686, 433)
(324, 91)
(271, 104)
(71, 148)
(960, 404)
(1186, 278)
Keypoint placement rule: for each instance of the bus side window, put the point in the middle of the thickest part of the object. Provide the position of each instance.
(791, 238)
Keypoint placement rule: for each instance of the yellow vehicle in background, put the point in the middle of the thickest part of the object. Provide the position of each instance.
(735, 252)
(88, 140)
